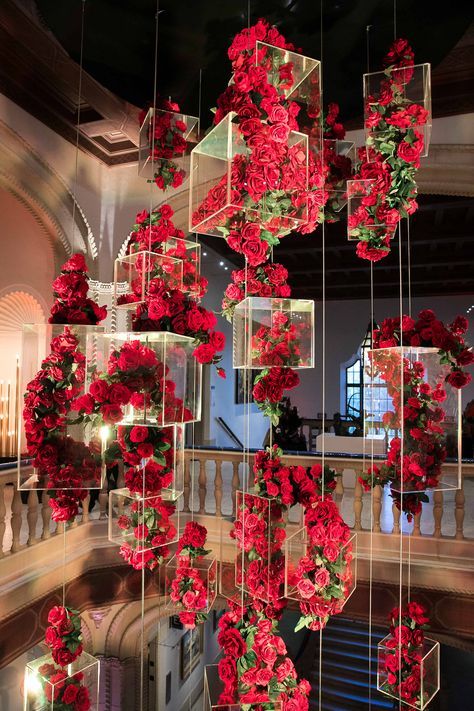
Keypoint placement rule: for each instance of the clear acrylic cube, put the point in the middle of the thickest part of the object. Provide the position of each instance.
(396, 91)
(216, 205)
(160, 447)
(362, 219)
(259, 570)
(421, 665)
(198, 580)
(143, 523)
(273, 332)
(343, 571)
(295, 76)
(341, 155)
(73, 459)
(418, 373)
(134, 273)
(160, 370)
(166, 139)
(49, 687)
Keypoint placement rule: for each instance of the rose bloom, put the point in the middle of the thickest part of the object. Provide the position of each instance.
(306, 588)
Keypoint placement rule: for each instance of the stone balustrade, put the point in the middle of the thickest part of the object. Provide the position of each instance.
(211, 479)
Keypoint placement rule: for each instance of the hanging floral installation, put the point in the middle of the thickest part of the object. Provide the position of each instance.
(384, 188)
(59, 686)
(408, 661)
(164, 140)
(68, 466)
(420, 418)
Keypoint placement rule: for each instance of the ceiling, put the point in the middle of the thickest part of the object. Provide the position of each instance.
(194, 34)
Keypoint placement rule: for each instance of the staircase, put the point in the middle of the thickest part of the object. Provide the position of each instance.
(345, 669)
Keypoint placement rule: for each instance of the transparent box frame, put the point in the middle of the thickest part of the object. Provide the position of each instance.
(242, 560)
(214, 687)
(134, 272)
(429, 678)
(416, 89)
(347, 149)
(306, 87)
(357, 190)
(296, 546)
(175, 352)
(120, 502)
(187, 251)
(435, 373)
(85, 663)
(256, 312)
(176, 486)
(146, 165)
(211, 165)
(35, 347)
(207, 571)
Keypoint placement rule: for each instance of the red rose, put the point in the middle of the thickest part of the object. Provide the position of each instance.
(70, 694)
(57, 615)
(204, 353)
(255, 250)
(76, 263)
(138, 434)
(410, 152)
(99, 390)
(119, 394)
(111, 414)
(217, 340)
(458, 379)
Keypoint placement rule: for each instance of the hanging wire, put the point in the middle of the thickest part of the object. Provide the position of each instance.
(323, 322)
(152, 138)
(402, 444)
(78, 121)
(371, 535)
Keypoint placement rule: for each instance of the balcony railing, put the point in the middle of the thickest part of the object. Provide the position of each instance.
(213, 476)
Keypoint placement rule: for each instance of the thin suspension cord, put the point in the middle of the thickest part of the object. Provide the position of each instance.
(402, 444)
(323, 325)
(371, 538)
(79, 95)
(394, 19)
(199, 104)
(152, 137)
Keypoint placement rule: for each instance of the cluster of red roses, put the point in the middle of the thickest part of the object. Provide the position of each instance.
(72, 304)
(400, 670)
(289, 485)
(63, 691)
(166, 141)
(63, 636)
(429, 332)
(387, 189)
(150, 452)
(194, 586)
(259, 530)
(171, 309)
(277, 344)
(270, 184)
(268, 390)
(135, 377)
(148, 526)
(156, 233)
(322, 577)
(256, 669)
(151, 522)
(264, 281)
(416, 410)
(64, 466)
(419, 410)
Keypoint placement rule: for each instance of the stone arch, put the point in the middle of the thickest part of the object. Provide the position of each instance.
(19, 306)
(34, 183)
